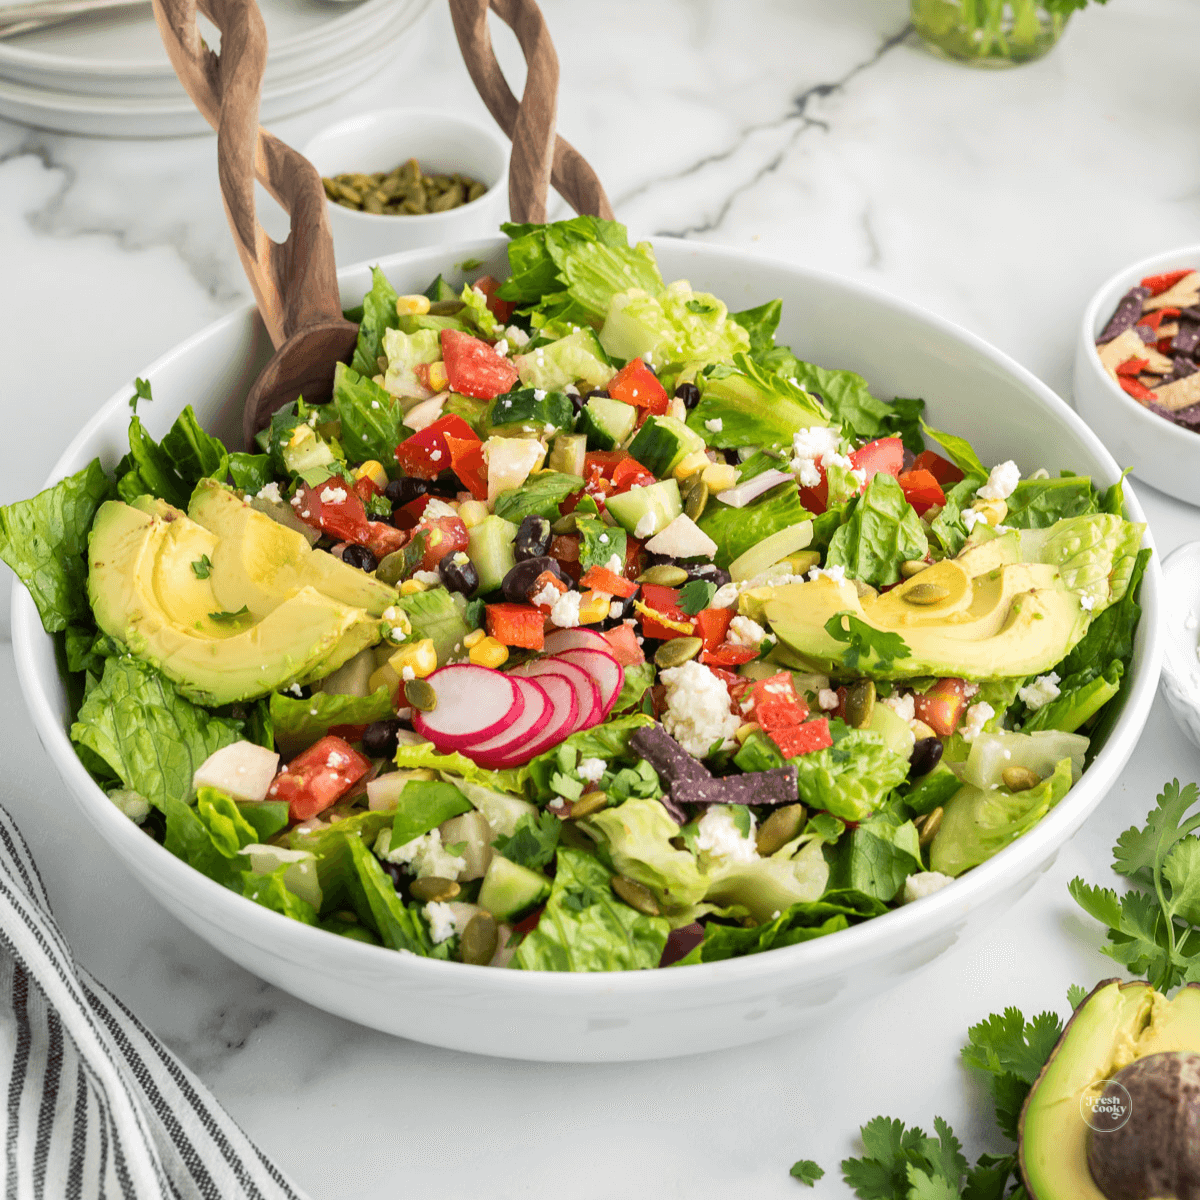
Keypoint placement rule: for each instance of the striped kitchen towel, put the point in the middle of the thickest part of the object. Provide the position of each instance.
(95, 1105)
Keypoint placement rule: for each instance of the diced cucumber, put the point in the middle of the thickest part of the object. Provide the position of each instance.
(567, 453)
(509, 889)
(633, 508)
(771, 550)
(440, 290)
(305, 450)
(893, 728)
(663, 443)
(577, 358)
(491, 550)
(606, 422)
(530, 410)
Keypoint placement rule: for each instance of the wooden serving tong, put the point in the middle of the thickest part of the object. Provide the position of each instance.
(295, 281)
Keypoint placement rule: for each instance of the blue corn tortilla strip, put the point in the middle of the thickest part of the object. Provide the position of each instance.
(1183, 368)
(1187, 339)
(1146, 333)
(1127, 315)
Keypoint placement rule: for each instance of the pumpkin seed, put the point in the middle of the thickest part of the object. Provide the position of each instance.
(588, 803)
(696, 500)
(446, 308)
(930, 826)
(635, 895)
(664, 575)
(404, 189)
(864, 590)
(925, 593)
(914, 566)
(477, 942)
(677, 651)
(420, 695)
(433, 887)
(779, 829)
(860, 703)
(565, 525)
(1020, 779)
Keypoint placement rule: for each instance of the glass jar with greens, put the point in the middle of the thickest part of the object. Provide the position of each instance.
(992, 33)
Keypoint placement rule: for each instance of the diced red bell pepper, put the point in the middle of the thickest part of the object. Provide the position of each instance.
(1133, 366)
(942, 707)
(664, 602)
(473, 368)
(446, 535)
(384, 539)
(636, 384)
(426, 454)
(1164, 283)
(921, 490)
(1163, 346)
(1137, 389)
(604, 580)
(794, 740)
(624, 645)
(502, 310)
(1155, 319)
(884, 455)
(467, 462)
(516, 625)
(407, 515)
(334, 508)
(712, 624)
(816, 498)
(776, 705)
(942, 469)
(319, 777)
(728, 654)
(367, 489)
(629, 473)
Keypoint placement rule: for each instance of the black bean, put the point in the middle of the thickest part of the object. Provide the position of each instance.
(398, 875)
(695, 570)
(403, 491)
(379, 739)
(520, 580)
(689, 393)
(459, 573)
(533, 538)
(360, 557)
(926, 754)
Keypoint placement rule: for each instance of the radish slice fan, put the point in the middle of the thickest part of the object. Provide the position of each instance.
(473, 704)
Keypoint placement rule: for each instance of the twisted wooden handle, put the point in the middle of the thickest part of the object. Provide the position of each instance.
(539, 157)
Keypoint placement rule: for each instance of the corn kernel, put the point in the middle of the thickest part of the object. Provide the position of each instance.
(302, 433)
(474, 638)
(373, 471)
(720, 476)
(412, 306)
(472, 513)
(593, 607)
(438, 379)
(690, 464)
(488, 652)
(410, 587)
(994, 511)
(744, 730)
(420, 656)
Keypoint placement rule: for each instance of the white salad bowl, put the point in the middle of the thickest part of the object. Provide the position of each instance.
(970, 388)
(1165, 455)
(1181, 636)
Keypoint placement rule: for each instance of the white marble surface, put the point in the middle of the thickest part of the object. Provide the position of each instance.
(813, 130)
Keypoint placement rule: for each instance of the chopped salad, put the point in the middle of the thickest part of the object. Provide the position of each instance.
(585, 628)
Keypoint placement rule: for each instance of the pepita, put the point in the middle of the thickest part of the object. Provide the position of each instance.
(433, 887)
(697, 498)
(930, 826)
(635, 895)
(860, 703)
(677, 651)
(914, 566)
(588, 803)
(925, 593)
(664, 575)
(565, 525)
(477, 942)
(404, 189)
(1020, 779)
(864, 590)
(779, 829)
(420, 695)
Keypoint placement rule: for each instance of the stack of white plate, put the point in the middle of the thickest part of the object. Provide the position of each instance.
(108, 74)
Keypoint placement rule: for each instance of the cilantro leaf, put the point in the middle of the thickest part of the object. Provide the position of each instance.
(533, 842)
(1076, 996)
(202, 567)
(229, 618)
(806, 1171)
(696, 595)
(863, 640)
(1136, 849)
(141, 391)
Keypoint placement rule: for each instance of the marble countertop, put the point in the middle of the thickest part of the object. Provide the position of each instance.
(816, 131)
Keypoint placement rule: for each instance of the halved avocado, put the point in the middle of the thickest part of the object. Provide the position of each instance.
(1116, 1026)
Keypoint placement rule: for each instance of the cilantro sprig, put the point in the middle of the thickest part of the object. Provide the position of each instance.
(696, 595)
(862, 640)
(202, 567)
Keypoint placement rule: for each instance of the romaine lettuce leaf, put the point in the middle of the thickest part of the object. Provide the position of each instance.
(876, 857)
(847, 396)
(433, 614)
(171, 470)
(250, 472)
(735, 530)
(209, 835)
(330, 846)
(1081, 696)
(638, 677)
(405, 352)
(271, 892)
(883, 531)
(372, 421)
(44, 540)
(1095, 554)
(423, 805)
(476, 312)
(765, 886)
(424, 755)
(379, 907)
(948, 526)
(378, 316)
(1110, 634)
(609, 741)
(958, 450)
(540, 495)
(1037, 503)
(298, 723)
(760, 324)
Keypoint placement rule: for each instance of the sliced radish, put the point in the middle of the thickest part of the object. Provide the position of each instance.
(473, 704)
(560, 722)
(526, 729)
(576, 639)
(603, 668)
(588, 697)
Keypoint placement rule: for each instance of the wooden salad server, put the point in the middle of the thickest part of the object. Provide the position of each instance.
(295, 281)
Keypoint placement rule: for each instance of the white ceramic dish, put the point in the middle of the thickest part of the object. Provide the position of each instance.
(902, 351)
(1181, 637)
(1166, 456)
(440, 142)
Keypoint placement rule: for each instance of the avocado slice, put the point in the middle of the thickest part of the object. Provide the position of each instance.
(1117, 1025)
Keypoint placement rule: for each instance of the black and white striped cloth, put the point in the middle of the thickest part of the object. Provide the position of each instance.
(96, 1106)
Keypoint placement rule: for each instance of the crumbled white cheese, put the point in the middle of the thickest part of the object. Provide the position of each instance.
(837, 573)
(725, 596)
(407, 674)
(922, 884)
(978, 715)
(814, 448)
(719, 836)
(441, 921)
(429, 578)
(698, 711)
(428, 856)
(616, 610)
(902, 704)
(591, 769)
(435, 456)
(614, 564)
(715, 425)
(646, 525)
(516, 336)
(333, 495)
(1002, 482)
(547, 596)
(827, 699)
(971, 517)
(565, 612)
(270, 492)
(438, 508)
(745, 632)
(1087, 603)
(501, 347)
(1041, 691)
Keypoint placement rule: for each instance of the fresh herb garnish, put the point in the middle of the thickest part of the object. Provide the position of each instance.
(533, 842)
(696, 595)
(229, 618)
(700, 306)
(202, 567)
(862, 640)
(806, 1171)
(141, 391)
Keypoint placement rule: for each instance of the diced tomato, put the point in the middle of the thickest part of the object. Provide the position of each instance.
(344, 519)
(884, 455)
(384, 539)
(727, 654)
(629, 473)
(516, 625)
(941, 708)
(473, 368)
(1138, 390)
(367, 489)
(467, 462)
(426, 455)
(794, 740)
(942, 469)
(407, 515)
(1133, 366)
(609, 471)
(502, 310)
(921, 490)
(604, 580)
(816, 498)
(712, 624)
(776, 705)
(319, 777)
(1164, 283)
(446, 535)
(636, 384)
(624, 645)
